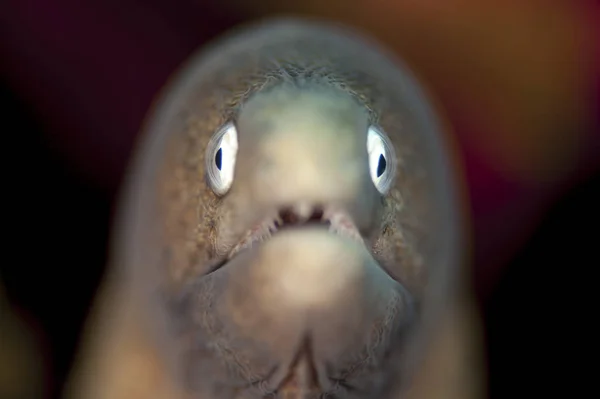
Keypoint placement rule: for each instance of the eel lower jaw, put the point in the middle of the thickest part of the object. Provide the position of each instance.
(337, 221)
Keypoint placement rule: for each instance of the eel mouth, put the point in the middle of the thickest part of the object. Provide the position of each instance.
(336, 220)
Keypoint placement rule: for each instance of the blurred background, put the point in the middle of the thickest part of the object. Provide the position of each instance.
(517, 83)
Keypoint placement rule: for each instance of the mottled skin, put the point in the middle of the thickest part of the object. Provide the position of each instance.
(175, 229)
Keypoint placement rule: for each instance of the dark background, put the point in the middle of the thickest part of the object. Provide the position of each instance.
(76, 81)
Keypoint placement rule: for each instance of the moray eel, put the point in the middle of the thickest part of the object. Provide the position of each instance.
(289, 226)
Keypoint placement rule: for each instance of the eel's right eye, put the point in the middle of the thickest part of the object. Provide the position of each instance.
(220, 158)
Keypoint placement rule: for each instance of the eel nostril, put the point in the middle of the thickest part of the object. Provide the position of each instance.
(289, 215)
(317, 214)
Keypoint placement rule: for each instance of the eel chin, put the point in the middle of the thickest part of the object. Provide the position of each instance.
(308, 296)
(309, 267)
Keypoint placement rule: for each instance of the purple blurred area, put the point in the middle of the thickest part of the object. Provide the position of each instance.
(78, 78)
(90, 70)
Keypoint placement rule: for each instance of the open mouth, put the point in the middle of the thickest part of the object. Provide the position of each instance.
(335, 220)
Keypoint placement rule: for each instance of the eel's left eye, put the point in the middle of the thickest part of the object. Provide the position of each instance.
(382, 160)
(220, 158)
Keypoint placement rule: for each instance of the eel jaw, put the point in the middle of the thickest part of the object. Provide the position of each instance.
(336, 220)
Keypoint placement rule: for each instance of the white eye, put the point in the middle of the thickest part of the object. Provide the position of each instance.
(220, 158)
(382, 159)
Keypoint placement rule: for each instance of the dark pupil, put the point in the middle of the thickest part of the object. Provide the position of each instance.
(218, 156)
(380, 166)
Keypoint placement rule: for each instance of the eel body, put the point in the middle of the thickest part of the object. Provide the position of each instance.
(289, 227)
